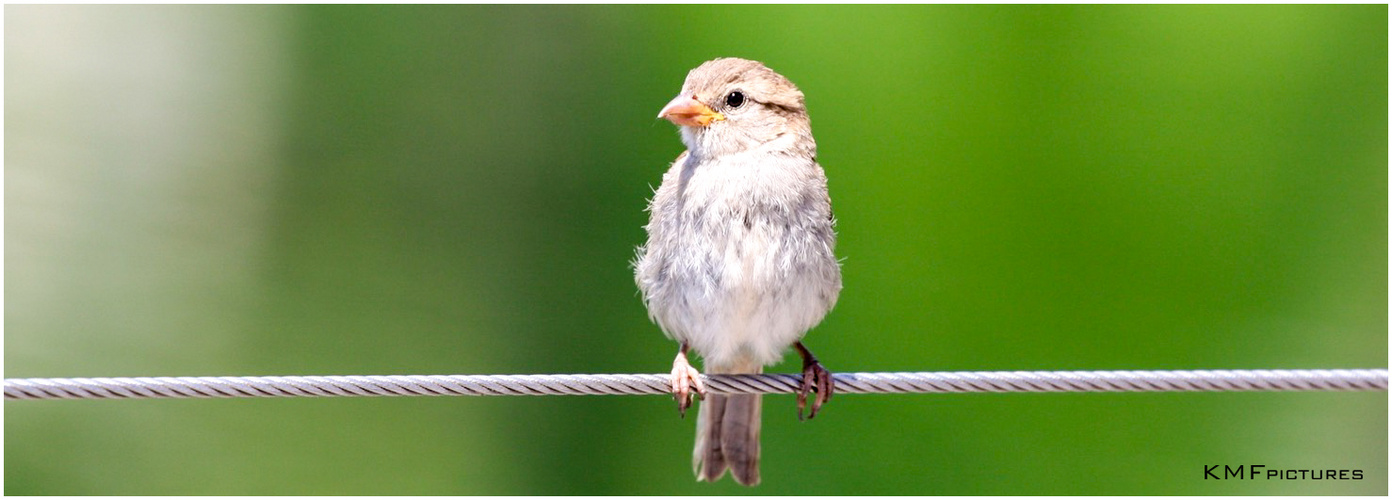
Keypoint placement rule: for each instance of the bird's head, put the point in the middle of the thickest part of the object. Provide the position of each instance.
(731, 105)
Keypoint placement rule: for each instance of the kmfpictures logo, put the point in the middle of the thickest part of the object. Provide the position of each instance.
(1257, 471)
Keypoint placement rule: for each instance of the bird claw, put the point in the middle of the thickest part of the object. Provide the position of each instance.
(814, 375)
(684, 378)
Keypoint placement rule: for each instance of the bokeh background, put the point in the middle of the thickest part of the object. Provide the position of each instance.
(330, 190)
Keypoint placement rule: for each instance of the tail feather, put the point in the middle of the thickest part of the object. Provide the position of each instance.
(708, 460)
(727, 436)
(739, 437)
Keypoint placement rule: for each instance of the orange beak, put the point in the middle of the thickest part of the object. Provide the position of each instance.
(687, 111)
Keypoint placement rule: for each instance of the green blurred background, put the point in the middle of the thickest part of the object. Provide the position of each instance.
(328, 190)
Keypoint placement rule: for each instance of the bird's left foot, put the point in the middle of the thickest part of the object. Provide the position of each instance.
(814, 375)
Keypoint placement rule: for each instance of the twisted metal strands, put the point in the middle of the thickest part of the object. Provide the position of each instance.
(554, 385)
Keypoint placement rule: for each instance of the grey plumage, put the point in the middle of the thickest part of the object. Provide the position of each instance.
(740, 260)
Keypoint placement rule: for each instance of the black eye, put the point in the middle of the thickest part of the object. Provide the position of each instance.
(735, 99)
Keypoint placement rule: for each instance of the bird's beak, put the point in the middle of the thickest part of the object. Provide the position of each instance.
(687, 111)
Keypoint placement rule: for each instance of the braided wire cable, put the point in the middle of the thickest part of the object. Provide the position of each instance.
(554, 385)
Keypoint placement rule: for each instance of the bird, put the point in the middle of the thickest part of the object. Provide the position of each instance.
(740, 257)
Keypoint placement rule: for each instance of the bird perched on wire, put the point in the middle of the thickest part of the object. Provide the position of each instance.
(740, 260)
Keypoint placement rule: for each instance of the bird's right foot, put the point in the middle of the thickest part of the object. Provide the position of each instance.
(684, 378)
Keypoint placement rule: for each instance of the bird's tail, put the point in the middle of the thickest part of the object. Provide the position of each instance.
(727, 433)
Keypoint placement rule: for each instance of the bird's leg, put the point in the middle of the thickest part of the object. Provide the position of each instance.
(813, 374)
(684, 378)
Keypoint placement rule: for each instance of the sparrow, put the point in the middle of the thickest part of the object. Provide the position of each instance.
(739, 263)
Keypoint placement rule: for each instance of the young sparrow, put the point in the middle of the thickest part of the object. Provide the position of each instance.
(739, 262)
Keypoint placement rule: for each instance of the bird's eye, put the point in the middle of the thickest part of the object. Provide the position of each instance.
(735, 99)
